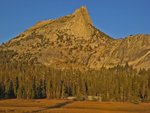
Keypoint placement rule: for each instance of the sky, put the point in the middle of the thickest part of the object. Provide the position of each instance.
(117, 18)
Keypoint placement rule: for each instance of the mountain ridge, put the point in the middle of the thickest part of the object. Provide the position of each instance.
(73, 41)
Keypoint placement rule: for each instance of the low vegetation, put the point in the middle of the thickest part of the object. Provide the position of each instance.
(66, 106)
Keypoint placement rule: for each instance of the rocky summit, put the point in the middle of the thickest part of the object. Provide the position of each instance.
(73, 41)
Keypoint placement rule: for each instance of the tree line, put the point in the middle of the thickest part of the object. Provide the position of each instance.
(28, 81)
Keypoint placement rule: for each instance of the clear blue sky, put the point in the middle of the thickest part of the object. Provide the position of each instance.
(117, 18)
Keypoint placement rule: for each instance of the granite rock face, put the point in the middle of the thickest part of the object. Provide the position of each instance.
(73, 41)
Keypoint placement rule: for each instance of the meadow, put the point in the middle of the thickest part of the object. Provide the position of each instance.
(68, 106)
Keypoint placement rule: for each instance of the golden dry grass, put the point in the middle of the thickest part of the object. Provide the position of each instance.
(50, 106)
(22, 106)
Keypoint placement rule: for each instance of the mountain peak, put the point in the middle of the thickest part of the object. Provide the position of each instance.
(82, 9)
(83, 12)
(73, 40)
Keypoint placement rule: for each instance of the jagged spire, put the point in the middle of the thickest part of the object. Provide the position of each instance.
(83, 12)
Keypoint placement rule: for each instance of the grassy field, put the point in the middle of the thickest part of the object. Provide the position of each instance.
(66, 106)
